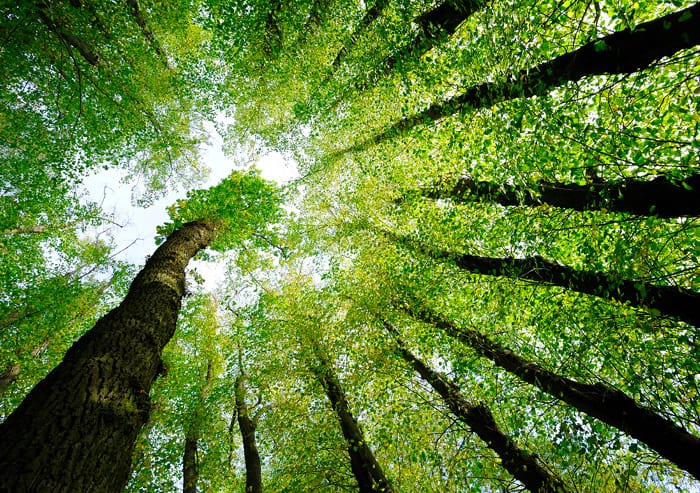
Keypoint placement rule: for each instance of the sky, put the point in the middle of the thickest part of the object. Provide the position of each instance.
(135, 227)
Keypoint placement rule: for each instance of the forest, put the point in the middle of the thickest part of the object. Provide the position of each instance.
(485, 277)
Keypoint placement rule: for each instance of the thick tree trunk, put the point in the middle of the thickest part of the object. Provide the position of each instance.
(622, 52)
(190, 463)
(668, 300)
(523, 465)
(76, 429)
(365, 467)
(247, 425)
(658, 197)
(605, 403)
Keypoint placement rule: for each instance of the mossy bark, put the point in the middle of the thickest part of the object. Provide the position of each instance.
(76, 429)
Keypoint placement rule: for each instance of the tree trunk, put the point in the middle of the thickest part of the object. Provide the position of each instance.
(76, 429)
(247, 425)
(141, 21)
(605, 403)
(433, 27)
(365, 467)
(370, 16)
(67, 36)
(190, 466)
(521, 464)
(669, 300)
(658, 197)
(622, 52)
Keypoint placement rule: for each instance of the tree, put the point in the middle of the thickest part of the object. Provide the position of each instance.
(367, 471)
(656, 197)
(521, 464)
(94, 403)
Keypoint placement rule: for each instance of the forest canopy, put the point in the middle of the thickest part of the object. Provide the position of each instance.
(484, 278)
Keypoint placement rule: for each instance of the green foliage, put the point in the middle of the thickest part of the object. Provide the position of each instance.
(244, 209)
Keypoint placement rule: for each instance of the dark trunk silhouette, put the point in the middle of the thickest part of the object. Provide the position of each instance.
(146, 30)
(622, 52)
(601, 401)
(76, 429)
(523, 465)
(247, 425)
(367, 471)
(190, 462)
(659, 197)
(668, 300)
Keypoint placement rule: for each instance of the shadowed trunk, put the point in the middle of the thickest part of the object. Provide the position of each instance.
(190, 462)
(622, 52)
(668, 300)
(76, 429)
(605, 403)
(365, 467)
(247, 425)
(523, 465)
(658, 197)
(141, 21)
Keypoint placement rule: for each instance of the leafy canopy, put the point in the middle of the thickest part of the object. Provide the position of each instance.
(243, 208)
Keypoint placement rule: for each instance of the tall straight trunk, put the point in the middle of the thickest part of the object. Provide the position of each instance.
(622, 52)
(247, 425)
(433, 27)
(598, 400)
(523, 465)
(669, 300)
(76, 429)
(190, 463)
(365, 467)
(659, 197)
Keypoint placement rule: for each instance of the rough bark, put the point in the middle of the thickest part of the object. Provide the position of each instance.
(365, 467)
(668, 300)
(598, 400)
(247, 425)
(190, 468)
(76, 429)
(523, 465)
(659, 197)
(622, 52)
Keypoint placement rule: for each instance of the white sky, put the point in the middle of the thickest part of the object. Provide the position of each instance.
(138, 224)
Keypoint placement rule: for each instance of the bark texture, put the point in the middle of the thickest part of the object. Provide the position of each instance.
(365, 467)
(247, 425)
(521, 464)
(659, 197)
(668, 300)
(76, 429)
(622, 52)
(605, 403)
